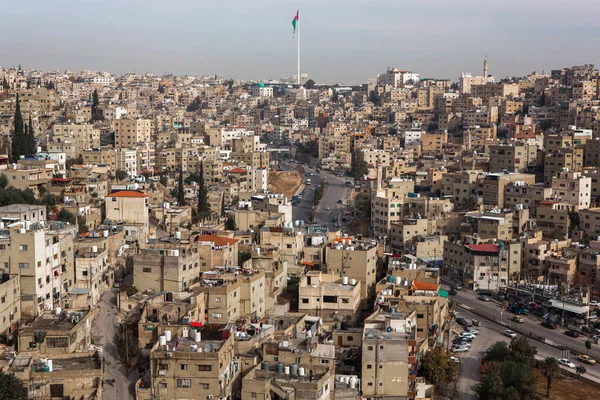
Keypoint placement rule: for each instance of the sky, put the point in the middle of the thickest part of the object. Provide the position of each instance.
(342, 41)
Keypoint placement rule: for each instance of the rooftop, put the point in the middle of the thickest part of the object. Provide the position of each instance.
(53, 322)
(484, 248)
(128, 193)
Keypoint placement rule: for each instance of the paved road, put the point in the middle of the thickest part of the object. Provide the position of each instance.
(490, 333)
(104, 326)
(531, 323)
(336, 190)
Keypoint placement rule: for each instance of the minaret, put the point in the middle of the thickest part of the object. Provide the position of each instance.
(485, 69)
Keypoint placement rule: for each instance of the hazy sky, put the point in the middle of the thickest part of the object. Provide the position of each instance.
(345, 41)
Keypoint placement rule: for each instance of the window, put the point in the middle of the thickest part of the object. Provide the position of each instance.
(23, 265)
(147, 269)
(57, 342)
(217, 299)
(184, 367)
(204, 386)
(23, 247)
(184, 383)
(370, 348)
(369, 366)
(345, 301)
(204, 368)
(217, 315)
(304, 301)
(85, 273)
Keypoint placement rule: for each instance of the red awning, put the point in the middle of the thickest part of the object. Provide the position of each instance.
(196, 324)
(309, 263)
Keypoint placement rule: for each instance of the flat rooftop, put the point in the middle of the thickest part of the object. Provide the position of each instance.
(17, 208)
(70, 364)
(51, 321)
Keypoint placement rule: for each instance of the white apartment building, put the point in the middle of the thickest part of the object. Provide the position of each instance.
(126, 160)
(573, 188)
(413, 136)
(262, 91)
(91, 266)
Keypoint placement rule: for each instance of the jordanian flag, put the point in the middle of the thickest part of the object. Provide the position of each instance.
(295, 21)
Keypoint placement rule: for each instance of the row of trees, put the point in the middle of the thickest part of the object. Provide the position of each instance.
(358, 165)
(23, 136)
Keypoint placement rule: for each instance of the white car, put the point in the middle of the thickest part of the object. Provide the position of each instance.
(473, 331)
(455, 359)
(327, 208)
(566, 363)
(467, 335)
(594, 303)
(459, 349)
(510, 334)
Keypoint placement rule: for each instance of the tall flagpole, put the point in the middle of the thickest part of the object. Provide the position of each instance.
(298, 31)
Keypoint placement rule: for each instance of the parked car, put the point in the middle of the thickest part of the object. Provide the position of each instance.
(462, 321)
(327, 208)
(476, 322)
(566, 363)
(572, 333)
(339, 201)
(517, 318)
(484, 298)
(455, 359)
(586, 359)
(458, 286)
(459, 349)
(594, 303)
(549, 324)
(473, 331)
(510, 334)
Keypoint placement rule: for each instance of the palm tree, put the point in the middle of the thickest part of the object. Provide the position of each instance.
(580, 370)
(549, 369)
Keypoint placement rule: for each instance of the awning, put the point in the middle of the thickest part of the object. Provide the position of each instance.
(443, 293)
(196, 324)
(561, 305)
(308, 263)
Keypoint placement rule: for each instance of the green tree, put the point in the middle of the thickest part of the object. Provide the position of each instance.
(66, 216)
(310, 84)
(96, 114)
(74, 161)
(203, 205)
(180, 192)
(120, 174)
(127, 346)
(550, 369)
(3, 181)
(243, 256)
(358, 165)
(5, 84)
(498, 352)
(521, 351)
(161, 88)
(19, 143)
(195, 105)
(164, 180)
(81, 225)
(30, 138)
(580, 370)
(11, 388)
(437, 368)
(588, 346)
(230, 224)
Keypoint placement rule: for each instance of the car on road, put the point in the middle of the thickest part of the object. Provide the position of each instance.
(459, 349)
(517, 318)
(455, 359)
(549, 324)
(327, 208)
(586, 359)
(461, 342)
(462, 321)
(572, 334)
(566, 362)
(458, 286)
(510, 334)
(476, 322)
(340, 201)
(594, 303)
(467, 335)
(472, 331)
(484, 298)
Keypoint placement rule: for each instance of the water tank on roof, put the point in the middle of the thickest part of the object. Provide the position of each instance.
(265, 365)
(344, 280)
(352, 382)
(294, 369)
(197, 336)
(162, 340)
(168, 335)
(177, 235)
(94, 249)
(353, 282)
(398, 280)
(301, 371)
(390, 279)
(286, 370)
(279, 368)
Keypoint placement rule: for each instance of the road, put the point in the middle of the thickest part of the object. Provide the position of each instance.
(530, 322)
(336, 190)
(490, 333)
(104, 327)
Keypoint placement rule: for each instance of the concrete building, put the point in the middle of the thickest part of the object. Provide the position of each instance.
(130, 132)
(573, 188)
(329, 297)
(24, 213)
(461, 185)
(130, 207)
(491, 187)
(562, 160)
(33, 179)
(126, 160)
(10, 305)
(189, 363)
(517, 157)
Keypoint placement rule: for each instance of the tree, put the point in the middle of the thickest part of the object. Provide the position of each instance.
(358, 165)
(67, 216)
(437, 368)
(243, 256)
(96, 114)
(120, 174)
(127, 346)
(203, 205)
(30, 138)
(522, 352)
(11, 388)
(230, 224)
(549, 368)
(588, 346)
(18, 144)
(223, 207)
(5, 84)
(164, 180)
(195, 105)
(3, 181)
(310, 84)
(180, 192)
(498, 352)
(580, 370)
(74, 161)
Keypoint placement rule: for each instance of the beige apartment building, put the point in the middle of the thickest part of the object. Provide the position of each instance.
(130, 132)
(516, 157)
(100, 156)
(33, 179)
(329, 297)
(130, 207)
(289, 242)
(194, 364)
(562, 160)
(80, 136)
(518, 193)
(461, 185)
(589, 223)
(126, 160)
(355, 259)
(535, 254)
(573, 188)
(491, 187)
(10, 304)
